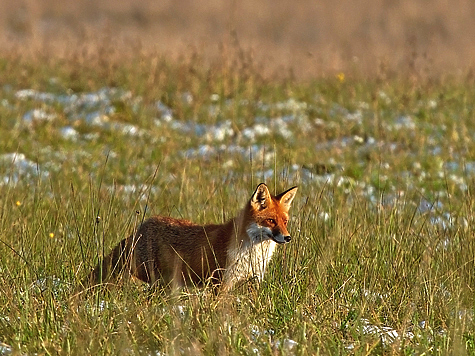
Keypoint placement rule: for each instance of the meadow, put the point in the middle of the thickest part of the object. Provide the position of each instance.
(382, 255)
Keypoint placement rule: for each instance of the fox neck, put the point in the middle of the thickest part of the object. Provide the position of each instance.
(241, 237)
(247, 257)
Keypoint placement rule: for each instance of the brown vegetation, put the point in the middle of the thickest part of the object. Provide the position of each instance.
(312, 38)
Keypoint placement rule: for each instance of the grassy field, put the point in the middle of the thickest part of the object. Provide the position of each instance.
(382, 256)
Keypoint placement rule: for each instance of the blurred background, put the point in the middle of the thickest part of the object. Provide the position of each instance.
(311, 37)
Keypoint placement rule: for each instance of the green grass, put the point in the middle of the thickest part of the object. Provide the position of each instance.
(363, 249)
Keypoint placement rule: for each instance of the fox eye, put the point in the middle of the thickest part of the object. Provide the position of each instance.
(285, 222)
(271, 221)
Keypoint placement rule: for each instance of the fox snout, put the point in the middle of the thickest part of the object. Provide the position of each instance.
(282, 239)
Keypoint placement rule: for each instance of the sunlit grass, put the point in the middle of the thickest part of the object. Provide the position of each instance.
(382, 224)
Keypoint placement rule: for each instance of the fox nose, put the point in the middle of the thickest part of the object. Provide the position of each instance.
(287, 238)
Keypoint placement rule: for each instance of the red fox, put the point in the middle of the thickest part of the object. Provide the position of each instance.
(180, 253)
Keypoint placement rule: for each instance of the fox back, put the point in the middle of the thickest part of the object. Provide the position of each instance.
(176, 252)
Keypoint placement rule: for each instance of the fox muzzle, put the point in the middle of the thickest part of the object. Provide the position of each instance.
(282, 239)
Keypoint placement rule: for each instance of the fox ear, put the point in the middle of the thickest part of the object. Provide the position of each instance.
(261, 197)
(286, 197)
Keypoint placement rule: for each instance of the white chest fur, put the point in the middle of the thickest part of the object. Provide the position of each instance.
(248, 261)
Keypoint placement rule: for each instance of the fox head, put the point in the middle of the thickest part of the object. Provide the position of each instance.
(269, 215)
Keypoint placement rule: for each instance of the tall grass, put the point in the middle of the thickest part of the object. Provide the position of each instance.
(382, 224)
